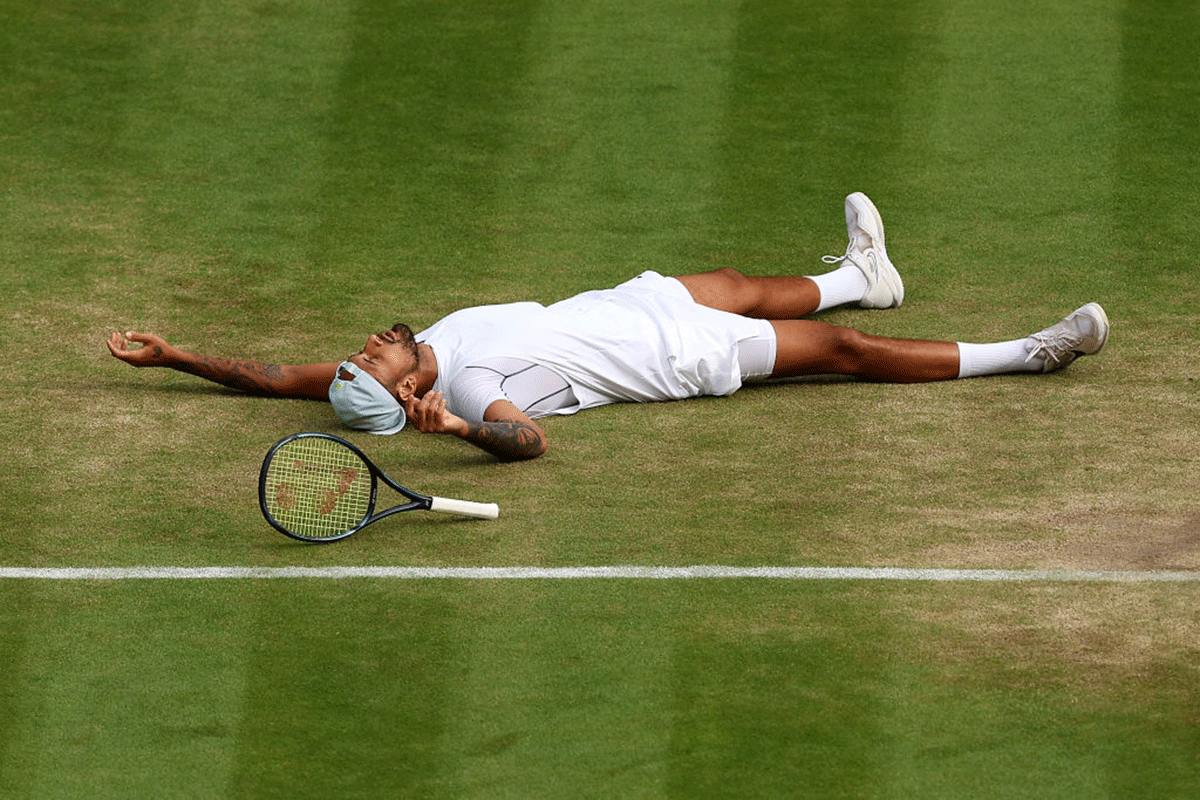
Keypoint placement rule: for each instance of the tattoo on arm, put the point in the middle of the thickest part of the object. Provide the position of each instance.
(248, 376)
(507, 440)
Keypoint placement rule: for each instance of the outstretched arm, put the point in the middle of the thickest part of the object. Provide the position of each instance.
(506, 432)
(310, 381)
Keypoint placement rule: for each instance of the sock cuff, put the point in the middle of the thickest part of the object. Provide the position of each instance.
(843, 285)
(994, 359)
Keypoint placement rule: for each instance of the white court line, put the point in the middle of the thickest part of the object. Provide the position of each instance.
(699, 572)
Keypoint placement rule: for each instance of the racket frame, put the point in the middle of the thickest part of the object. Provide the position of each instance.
(416, 500)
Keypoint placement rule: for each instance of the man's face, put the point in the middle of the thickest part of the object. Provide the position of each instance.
(388, 357)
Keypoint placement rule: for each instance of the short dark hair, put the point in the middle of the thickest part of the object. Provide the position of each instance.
(406, 338)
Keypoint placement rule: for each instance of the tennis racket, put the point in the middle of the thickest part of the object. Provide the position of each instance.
(319, 488)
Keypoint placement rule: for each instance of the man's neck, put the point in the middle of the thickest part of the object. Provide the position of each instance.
(427, 369)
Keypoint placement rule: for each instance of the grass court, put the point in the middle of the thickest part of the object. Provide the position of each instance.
(274, 180)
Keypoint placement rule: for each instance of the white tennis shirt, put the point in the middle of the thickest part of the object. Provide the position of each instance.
(643, 341)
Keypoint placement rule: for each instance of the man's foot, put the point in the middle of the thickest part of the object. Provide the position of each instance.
(1081, 333)
(866, 251)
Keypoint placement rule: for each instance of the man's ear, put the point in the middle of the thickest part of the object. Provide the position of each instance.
(406, 387)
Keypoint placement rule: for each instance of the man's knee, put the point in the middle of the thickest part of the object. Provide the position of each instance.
(851, 341)
(742, 293)
(732, 275)
(724, 288)
(846, 348)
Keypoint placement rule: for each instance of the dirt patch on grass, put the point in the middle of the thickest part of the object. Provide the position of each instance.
(1080, 635)
(1142, 543)
(1117, 538)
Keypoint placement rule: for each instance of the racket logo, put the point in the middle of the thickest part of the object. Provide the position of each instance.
(285, 491)
(330, 497)
(285, 496)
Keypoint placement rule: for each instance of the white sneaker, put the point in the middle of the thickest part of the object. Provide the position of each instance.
(866, 251)
(1082, 333)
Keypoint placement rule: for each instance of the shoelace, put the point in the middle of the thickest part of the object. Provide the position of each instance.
(1053, 344)
(841, 258)
(867, 264)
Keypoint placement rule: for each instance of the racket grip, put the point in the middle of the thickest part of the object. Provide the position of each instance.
(465, 508)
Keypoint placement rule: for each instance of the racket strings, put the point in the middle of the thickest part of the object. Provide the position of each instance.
(317, 488)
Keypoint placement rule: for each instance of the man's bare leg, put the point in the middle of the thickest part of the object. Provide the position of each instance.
(787, 297)
(791, 296)
(866, 277)
(806, 347)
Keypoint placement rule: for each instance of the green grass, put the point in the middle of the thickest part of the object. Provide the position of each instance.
(274, 180)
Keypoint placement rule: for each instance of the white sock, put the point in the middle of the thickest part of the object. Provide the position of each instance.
(843, 285)
(995, 359)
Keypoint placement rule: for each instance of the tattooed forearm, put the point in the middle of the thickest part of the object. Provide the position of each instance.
(248, 376)
(507, 440)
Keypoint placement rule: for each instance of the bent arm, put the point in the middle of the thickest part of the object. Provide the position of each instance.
(307, 381)
(506, 432)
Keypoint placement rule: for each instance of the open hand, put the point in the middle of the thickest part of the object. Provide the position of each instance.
(152, 352)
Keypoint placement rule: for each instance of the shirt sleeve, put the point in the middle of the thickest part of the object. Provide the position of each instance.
(475, 389)
(536, 390)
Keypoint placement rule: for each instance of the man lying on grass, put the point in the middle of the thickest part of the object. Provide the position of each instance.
(486, 373)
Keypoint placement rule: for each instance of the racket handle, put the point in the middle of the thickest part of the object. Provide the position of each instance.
(465, 508)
